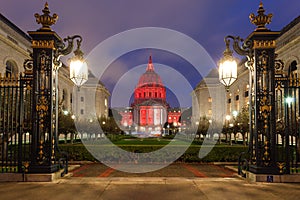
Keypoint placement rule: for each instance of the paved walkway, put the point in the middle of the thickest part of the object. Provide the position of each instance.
(177, 181)
(144, 188)
(173, 170)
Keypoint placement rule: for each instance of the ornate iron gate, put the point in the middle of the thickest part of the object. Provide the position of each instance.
(15, 121)
(287, 125)
(287, 120)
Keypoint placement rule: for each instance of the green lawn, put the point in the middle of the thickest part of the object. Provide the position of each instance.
(148, 141)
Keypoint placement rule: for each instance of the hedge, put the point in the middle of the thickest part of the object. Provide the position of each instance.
(219, 153)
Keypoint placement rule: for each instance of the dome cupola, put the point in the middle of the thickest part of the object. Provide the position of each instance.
(150, 77)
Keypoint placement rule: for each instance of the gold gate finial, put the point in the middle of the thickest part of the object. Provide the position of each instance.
(261, 19)
(46, 20)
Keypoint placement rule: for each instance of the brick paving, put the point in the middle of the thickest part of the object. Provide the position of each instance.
(173, 170)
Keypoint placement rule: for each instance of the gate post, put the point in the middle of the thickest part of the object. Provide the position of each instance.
(262, 113)
(259, 47)
(48, 47)
(44, 40)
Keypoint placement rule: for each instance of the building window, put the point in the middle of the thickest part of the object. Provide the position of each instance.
(71, 98)
(11, 68)
(246, 93)
(237, 97)
(209, 99)
(229, 101)
(82, 111)
(105, 102)
(209, 112)
(63, 94)
(82, 99)
(293, 66)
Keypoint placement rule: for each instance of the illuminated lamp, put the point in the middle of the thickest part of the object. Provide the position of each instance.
(78, 67)
(227, 67)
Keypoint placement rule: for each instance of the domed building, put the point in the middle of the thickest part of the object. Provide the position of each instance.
(150, 106)
(150, 113)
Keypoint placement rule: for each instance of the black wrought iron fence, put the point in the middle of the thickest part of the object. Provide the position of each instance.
(15, 122)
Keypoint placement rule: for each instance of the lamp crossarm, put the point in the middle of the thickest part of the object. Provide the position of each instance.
(63, 50)
(244, 49)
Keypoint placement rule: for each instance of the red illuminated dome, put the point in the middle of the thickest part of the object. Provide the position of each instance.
(150, 86)
(148, 113)
(150, 77)
(150, 106)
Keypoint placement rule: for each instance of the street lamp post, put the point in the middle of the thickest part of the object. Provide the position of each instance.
(48, 47)
(259, 48)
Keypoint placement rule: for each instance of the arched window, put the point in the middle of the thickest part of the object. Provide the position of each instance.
(105, 102)
(63, 94)
(11, 68)
(293, 67)
(71, 98)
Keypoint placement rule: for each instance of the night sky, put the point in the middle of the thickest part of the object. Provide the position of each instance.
(205, 21)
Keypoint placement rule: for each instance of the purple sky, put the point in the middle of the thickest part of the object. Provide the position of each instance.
(206, 21)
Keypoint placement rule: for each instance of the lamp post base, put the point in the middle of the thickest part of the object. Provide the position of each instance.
(43, 168)
(264, 170)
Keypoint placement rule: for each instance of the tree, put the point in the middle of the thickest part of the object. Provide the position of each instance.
(215, 127)
(66, 125)
(203, 126)
(185, 117)
(225, 130)
(88, 127)
(109, 125)
(242, 122)
(170, 128)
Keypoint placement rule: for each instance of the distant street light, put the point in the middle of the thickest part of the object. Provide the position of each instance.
(235, 113)
(289, 100)
(227, 117)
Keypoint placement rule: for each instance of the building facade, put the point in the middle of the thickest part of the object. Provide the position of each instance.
(90, 101)
(211, 99)
(208, 99)
(15, 48)
(288, 46)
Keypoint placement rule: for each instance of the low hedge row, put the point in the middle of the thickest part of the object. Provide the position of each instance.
(218, 153)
